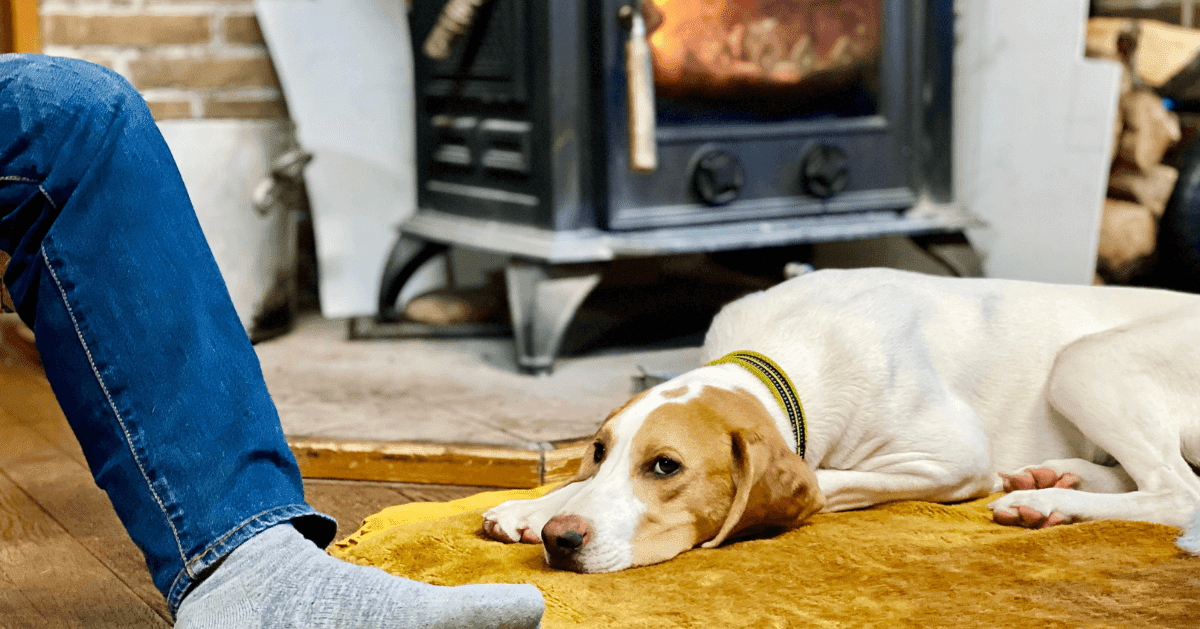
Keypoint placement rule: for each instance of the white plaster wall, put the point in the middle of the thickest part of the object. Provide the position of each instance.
(1033, 135)
(346, 70)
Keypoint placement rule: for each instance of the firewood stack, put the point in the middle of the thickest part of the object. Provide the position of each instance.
(1139, 184)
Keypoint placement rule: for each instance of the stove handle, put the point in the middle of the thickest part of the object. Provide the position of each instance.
(453, 23)
(639, 77)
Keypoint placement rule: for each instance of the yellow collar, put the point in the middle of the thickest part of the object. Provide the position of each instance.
(777, 381)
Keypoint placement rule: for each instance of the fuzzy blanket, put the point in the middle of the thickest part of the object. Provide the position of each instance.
(907, 564)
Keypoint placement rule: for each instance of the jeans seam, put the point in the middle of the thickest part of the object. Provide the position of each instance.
(42, 189)
(112, 405)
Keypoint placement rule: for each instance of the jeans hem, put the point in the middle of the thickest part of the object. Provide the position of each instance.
(192, 572)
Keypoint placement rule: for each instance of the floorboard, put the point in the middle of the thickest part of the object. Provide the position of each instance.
(64, 489)
(16, 610)
(58, 576)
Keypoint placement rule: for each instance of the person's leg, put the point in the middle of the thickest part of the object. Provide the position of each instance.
(138, 337)
(147, 357)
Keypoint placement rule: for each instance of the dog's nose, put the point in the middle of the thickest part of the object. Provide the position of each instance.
(566, 534)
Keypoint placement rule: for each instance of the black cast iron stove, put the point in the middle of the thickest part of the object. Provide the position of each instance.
(767, 123)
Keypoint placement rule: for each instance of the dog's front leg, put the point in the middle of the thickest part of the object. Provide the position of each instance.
(921, 479)
(522, 520)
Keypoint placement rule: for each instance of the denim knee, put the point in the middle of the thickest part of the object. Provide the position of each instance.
(52, 94)
(83, 86)
(58, 116)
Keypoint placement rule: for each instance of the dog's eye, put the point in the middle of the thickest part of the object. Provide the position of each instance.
(598, 452)
(665, 467)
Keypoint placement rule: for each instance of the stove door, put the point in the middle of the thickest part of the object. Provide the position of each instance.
(769, 109)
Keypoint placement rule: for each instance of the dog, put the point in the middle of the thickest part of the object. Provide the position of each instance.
(840, 390)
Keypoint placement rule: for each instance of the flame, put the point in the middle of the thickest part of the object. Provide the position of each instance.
(718, 45)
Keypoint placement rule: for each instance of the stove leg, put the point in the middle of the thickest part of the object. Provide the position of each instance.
(408, 255)
(542, 300)
(954, 252)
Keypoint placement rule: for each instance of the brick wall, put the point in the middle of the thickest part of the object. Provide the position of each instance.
(188, 58)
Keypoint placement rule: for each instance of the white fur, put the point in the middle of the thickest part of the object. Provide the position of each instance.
(606, 499)
(922, 387)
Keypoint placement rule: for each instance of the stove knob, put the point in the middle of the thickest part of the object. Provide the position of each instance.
(717, 178)
(823, 171)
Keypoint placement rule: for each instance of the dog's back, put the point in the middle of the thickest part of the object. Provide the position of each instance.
(864, 333)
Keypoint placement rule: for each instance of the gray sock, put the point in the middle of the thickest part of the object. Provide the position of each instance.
(280, 579)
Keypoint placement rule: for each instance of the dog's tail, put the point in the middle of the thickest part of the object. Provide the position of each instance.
(1190, 540)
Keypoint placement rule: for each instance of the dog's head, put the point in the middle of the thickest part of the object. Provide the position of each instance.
(686, 463)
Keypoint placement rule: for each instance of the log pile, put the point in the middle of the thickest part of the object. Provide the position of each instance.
(1139, 184)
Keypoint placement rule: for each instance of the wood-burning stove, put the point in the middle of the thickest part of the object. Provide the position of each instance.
(777, 122)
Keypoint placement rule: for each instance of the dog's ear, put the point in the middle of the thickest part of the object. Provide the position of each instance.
(774, 487)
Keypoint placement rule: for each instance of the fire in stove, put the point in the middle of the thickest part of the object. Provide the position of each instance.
(719, 49)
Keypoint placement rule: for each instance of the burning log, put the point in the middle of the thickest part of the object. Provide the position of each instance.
(801, 61)
(763, 45)
(720, 48)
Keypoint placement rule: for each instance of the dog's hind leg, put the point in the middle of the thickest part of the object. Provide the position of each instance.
(1135, 393)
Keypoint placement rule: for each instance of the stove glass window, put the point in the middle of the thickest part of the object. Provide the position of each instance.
(730, 60)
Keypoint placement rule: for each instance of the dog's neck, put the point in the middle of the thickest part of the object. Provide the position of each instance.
(827, 413)
(735, 377)
(780, 386)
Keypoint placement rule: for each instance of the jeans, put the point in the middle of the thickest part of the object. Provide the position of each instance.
(137, 333)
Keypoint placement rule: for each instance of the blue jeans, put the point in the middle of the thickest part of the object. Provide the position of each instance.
(137, 332)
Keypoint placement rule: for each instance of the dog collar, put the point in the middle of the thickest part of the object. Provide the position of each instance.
(777, 381)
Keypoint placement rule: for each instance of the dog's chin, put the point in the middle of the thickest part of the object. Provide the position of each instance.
(582, 565)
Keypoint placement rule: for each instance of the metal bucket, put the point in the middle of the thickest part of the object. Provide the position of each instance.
(225, 164)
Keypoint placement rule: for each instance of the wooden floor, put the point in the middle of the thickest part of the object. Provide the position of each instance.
(65, 560)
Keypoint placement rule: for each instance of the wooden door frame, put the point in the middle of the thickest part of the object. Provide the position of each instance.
(20, 27)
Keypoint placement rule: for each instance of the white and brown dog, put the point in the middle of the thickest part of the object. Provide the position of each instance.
(1082, 402)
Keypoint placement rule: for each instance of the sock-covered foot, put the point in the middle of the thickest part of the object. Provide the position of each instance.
(280, 579)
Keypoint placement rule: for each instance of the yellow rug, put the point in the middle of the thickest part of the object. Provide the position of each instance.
(908, 564)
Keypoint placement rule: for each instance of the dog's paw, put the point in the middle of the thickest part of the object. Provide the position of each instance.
(1038, 477)
(1033, 509)
(515, 521)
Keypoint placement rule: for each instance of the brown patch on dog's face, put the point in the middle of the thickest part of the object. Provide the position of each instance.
(674, 393)
(712, 467)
